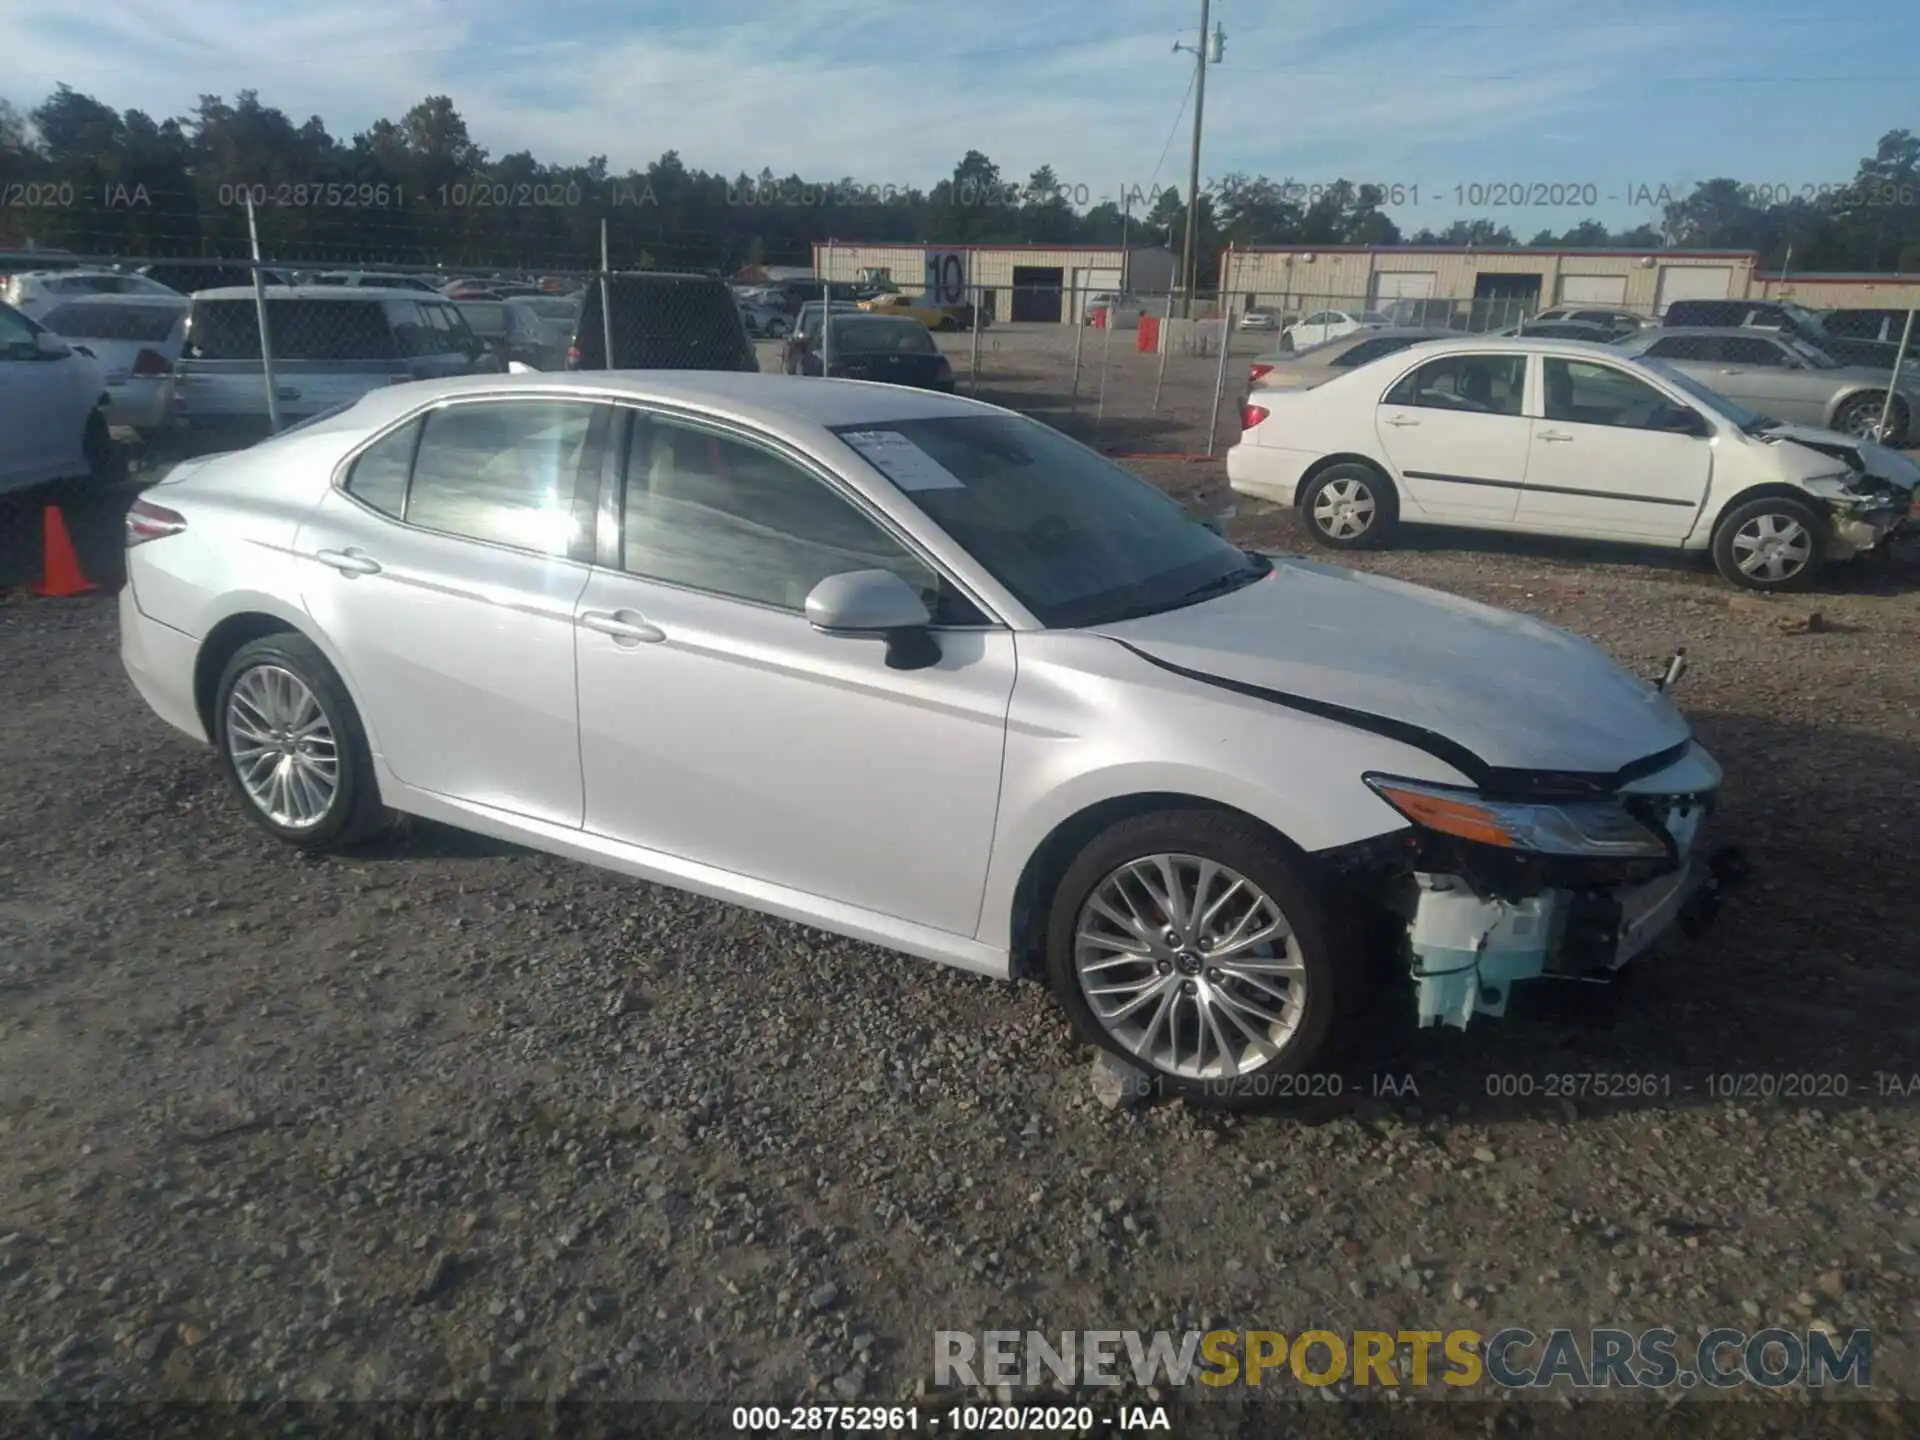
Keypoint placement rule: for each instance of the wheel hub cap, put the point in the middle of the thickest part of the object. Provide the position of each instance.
(1190, 967)
(282, 747)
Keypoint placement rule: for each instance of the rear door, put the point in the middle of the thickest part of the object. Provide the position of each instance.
(1763, 374)
(444, 570)
(1455, 432)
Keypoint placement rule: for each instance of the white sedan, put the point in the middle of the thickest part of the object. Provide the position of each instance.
(1324, 325)
(1565, 438)
(53, 408)
(923, 672)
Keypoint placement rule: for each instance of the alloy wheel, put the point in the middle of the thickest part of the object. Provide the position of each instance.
(1344, 509)
(1772, 547)
(283, 747)
(1190, 967)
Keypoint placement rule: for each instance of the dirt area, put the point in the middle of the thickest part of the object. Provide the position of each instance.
(450, 1119)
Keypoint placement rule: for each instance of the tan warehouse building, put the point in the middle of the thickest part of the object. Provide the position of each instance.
(1015, 282)
(1297, 277)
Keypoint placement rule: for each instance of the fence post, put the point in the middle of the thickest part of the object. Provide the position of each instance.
(1893, 386)
(1162, 339)
(1106, 355)
(1226, 343)
(606, 294)
(826, 317)
(260, 309)
(973, 365)
(1079, 337)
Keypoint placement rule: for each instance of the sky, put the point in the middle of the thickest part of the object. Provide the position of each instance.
(1534, 113)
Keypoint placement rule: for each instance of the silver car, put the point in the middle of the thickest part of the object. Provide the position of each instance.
(1304, 369)
(923, 672)
(1783, 376)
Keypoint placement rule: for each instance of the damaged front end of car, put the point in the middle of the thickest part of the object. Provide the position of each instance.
(1871, 502)
(1553, 879)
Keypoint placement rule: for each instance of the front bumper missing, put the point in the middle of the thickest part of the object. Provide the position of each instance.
(1468, 950)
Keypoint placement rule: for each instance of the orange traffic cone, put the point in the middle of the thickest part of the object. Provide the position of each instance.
(62, 575)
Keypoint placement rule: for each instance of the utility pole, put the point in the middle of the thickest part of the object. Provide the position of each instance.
(1189, 259)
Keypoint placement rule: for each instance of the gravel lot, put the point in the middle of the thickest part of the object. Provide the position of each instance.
(451, 1119)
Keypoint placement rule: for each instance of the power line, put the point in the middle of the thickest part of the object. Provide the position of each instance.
(1172, 130)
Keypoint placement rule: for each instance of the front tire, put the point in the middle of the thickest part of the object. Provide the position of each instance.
(1192, 946)
(1771, 544)
(1350, 507)
(292, 746)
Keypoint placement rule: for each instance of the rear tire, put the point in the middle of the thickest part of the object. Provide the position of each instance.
(1350, 506)
(1296, 1001)
(286, 731)
(1774, 544)
(1860, 418)
(106, 460)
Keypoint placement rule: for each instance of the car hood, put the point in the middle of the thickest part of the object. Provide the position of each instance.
(1484, 689)
(1877, 460)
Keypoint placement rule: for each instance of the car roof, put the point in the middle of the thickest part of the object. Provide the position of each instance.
(68, 272)
(751, 397)
(313, 292)
(1753, 332)
(132, 297)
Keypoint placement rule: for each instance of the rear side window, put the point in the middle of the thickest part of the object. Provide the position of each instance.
(503, 471)
(666, 322)
(302, 330)
(379, 476)
(1474, 384)
(147, 324)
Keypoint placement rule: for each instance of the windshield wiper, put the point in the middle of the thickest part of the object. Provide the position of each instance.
(1228, 583)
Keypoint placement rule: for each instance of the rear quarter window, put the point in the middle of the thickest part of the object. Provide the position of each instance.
(300, 329)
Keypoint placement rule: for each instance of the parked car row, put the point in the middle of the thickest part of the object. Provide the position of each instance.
(1564, 437)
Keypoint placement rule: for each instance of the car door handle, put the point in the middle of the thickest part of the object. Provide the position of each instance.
(624, 625)
(1553, 435)
(1401, 420)
(348, 562)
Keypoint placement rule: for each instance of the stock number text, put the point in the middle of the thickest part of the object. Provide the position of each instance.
(315, 196)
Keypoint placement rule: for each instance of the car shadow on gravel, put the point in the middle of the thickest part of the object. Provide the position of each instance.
(411, 839)
(1805, 990)
(96, 523)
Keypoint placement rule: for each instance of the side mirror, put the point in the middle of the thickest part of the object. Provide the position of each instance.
(49, 346)
(879, 603)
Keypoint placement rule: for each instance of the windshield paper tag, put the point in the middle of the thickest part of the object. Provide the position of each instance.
(902, 461)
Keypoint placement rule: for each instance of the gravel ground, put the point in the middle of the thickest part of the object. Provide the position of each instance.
(451, 1119)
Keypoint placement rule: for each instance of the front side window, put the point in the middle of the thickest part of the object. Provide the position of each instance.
(1582, 393)
(503, 471)
(1472, 384)
(714, 513)
(1071, 535)
(17, 335)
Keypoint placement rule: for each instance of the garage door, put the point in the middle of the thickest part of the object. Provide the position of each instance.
(1089, 282)
(1693, 282)
(1593, 290)
(1405, 285)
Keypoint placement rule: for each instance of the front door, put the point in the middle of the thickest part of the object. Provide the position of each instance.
(445, 582)
(36, 408)
(717, 726)
(1456, 435)
(1606, 461)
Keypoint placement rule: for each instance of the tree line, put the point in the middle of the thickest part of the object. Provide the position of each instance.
(77, 174)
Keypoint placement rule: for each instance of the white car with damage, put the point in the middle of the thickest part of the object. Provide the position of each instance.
(1566, 438)
(917, 670)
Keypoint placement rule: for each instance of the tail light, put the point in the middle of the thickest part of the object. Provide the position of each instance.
(148, 521)
(573, 357)
(1251, 415)
(151, 364)
(1254, 372)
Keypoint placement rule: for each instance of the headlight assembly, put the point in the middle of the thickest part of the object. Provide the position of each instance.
(1600, 829)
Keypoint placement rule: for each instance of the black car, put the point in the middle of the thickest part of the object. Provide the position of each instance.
(1787, 317)
(894, 350)
(661, 322)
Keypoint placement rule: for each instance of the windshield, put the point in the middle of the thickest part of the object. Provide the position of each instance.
(864, 336)
(1739, 414)
(1075, 538)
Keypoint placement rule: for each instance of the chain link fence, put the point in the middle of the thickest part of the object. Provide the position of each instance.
(1144, 373)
